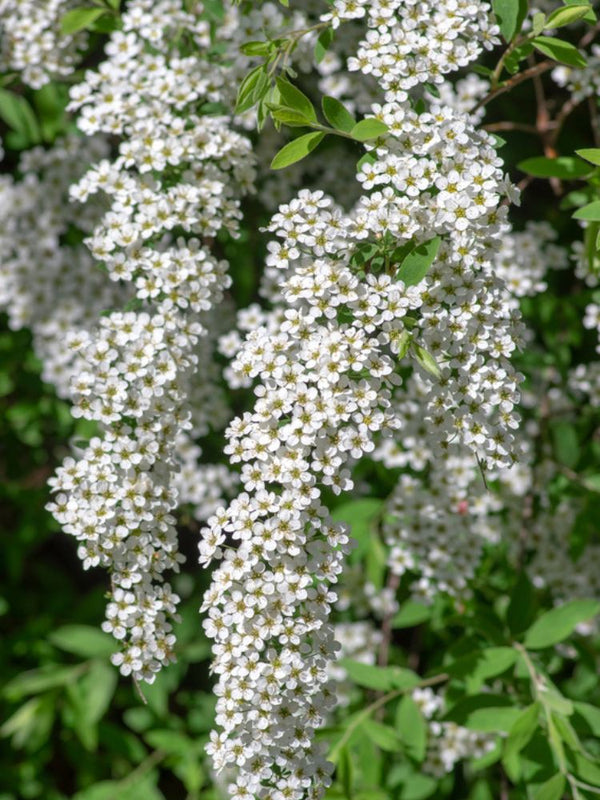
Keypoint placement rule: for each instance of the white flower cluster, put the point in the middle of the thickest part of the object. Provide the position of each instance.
(328, 363)
(32, 43)
(411, 42)
(178, 176)
(447, 742)
(47, 285)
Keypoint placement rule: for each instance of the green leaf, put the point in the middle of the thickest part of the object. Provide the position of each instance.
(510, 15)
(559, 623)
(586, 718)
(361, 515)
(80, 18)
(323, 44)
(484, 712)
(416, 264)
(591, 154)
(521, 606)
(256, 48)
(296, 100)
(297, 149)
(288, 116)
(16, 112)
(412, 728)
(411, 613)
(98, 687)
(590, 212)
(383, 736)
(426, 360)
(567, 14)
(561, 51)
(337, 115)
(83, 640)
(552, 789)
(566, 167)
(477, 667)
(39, 680)
(368, 129)
(522, 730)
(566, 443)
(254, 86)
(379, 678)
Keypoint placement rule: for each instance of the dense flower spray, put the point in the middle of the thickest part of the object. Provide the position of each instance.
(174, 184)
(329, 362)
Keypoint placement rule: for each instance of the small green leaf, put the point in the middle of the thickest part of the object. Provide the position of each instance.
(566, 443)
(323, 44)
(383, 736)
(521, 606)
(368, 129)
(560, 51)
(288, 116)
(591, 154)
(256, 48)
(590, 212)
(510, 15)
(80, 18)
(411, 613)
(39, 680)
(412, 728)
(254, 86)
(552, 789)
(566, 167)
(416, 264)
(426, 360)
(559, 623)
(337, 115)
(477, 667)
(523, 728)
(16, 112)
(296, 100)
(83, 640)
(379, 678)
(297, 149)
(484, 712)
(567, 14)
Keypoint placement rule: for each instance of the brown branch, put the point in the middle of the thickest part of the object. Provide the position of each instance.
(538, 69)
(507, 125)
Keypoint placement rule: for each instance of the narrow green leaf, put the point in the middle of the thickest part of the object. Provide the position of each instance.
(510, 15)
(39, 680)
(323, 44)
(297, 150)
(426, 360)
(16, 112)
(83, 640)
(566, 167)
(337, 115)
(590, 212)
(416, 264)
(411, 613)
(80, 18)
(379, 678)
(477, 667)
(559, 50)
(484, 712)
(591, 154)
(289, 116)
(412, 728)
(254, 86)
(552, 789)
(559, 623)
(383, 736)
(294, 99)
(368, 129)
(521, 606)
(523, 728)
(567, 14)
